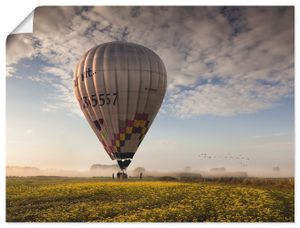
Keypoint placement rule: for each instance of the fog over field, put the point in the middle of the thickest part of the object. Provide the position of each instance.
(99, 170)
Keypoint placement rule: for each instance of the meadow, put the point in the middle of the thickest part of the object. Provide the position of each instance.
(60, 199)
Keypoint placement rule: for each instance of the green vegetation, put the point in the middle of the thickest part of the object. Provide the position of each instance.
(54, 199)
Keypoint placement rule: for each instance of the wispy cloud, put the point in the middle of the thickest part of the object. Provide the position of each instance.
(49, 108)
(18, 46)
(220, 60)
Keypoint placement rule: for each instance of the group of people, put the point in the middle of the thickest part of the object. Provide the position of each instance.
(123, 175)
(120, 175)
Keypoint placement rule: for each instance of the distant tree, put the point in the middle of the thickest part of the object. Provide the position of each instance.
(139, 170)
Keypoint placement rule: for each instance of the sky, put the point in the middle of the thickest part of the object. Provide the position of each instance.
(230, 87)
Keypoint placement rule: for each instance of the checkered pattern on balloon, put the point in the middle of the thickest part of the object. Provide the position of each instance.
(137, 126)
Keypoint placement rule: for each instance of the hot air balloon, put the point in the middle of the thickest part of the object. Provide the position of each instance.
(120, 87)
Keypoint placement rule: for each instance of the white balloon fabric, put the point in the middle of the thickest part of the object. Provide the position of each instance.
(120, 87)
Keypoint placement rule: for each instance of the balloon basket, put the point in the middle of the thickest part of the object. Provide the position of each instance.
(122, 174)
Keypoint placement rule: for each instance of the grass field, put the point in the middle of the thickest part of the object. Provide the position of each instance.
(54, 199)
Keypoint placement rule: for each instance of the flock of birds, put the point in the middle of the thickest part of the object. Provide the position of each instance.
(242, 160)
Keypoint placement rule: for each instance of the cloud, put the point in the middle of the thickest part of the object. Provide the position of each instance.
(235, 96)
(10, 70)
(18, 46)
(49, 108)
(254, 69)
(220, 60)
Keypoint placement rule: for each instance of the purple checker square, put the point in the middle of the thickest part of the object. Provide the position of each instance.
(137, 130)
(97, 125)
(138, 116)
(122, 130)
(127, 136)
(144, 116)
(129, 123)
(122, 143)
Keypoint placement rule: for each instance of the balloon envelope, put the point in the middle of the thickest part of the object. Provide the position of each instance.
(120, 87)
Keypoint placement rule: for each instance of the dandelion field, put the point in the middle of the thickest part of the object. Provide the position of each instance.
(52, 199)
